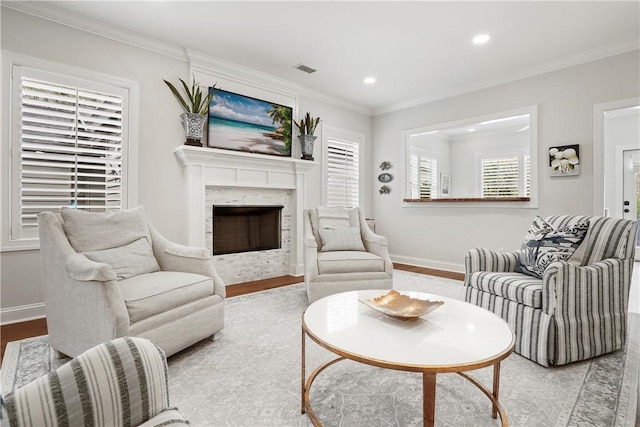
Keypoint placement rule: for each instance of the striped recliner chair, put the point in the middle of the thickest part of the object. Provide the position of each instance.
(575, 311)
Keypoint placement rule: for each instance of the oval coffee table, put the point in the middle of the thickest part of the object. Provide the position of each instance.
(455, 338)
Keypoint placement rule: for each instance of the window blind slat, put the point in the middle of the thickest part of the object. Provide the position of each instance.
(71, 149)
(500, 177)
(343, 173)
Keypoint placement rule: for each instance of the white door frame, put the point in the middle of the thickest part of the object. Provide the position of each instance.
(598, 148)
(618, 197)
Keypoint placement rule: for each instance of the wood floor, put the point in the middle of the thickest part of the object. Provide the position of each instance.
(34, 328)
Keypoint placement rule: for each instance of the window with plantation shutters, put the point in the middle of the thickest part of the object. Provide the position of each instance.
(68, 148)
(342, 176)
(423, 181)
(500, 177)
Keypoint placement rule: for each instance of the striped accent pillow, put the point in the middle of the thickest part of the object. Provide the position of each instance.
(121, 382)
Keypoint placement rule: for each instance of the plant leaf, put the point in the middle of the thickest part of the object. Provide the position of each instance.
(178, 96)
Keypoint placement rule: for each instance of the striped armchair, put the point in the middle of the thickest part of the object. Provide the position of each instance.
(119, 383)
(575, 312)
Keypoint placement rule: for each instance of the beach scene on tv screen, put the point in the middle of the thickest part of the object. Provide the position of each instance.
(238, 122)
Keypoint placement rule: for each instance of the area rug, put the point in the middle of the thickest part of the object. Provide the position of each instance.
(250, 376)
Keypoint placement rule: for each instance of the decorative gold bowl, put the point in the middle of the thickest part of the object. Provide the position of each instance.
(394, 304)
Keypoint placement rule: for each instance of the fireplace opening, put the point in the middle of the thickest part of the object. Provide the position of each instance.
(246, 228)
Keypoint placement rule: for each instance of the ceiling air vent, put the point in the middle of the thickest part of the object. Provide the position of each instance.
(305, 68)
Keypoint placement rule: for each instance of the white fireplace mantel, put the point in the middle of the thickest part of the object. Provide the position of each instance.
(210, 167)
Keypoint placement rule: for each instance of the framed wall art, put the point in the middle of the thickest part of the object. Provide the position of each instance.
(564, 160)
(242, 123)
(445, 185)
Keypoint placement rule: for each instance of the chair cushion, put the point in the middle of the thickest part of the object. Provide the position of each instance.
(330, 217)
(344, 239)
(128, 260)
(517, 287)
(149, 294)
(544, 245)
(95, 231)
(349, 262)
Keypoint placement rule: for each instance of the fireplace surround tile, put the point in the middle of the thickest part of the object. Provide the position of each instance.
(230, 177)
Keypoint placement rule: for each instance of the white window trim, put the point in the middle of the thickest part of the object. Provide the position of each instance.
(9, 147)
(329, 132)
(533, 162)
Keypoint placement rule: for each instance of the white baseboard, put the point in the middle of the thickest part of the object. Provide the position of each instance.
(21, 313)
(296, 270)
(428, 263)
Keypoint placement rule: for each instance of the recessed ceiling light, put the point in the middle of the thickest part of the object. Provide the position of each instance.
(471, 130)
(481, 38)
(369, 80)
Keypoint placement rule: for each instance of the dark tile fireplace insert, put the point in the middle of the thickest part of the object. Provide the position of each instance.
(239, 228)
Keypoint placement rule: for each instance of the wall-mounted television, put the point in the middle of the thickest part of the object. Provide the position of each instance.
(242, 123)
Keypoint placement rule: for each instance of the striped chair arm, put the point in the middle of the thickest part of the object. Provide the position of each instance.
(481, 259)
(587, 301)
(605, 282)
(118, 383)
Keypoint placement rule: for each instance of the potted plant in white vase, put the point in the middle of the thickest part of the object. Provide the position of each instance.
(307, 127)
(196, 108)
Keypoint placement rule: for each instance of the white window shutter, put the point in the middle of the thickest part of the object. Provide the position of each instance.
(343, 173)
(424, 177)
(500, 177)
(70, 149)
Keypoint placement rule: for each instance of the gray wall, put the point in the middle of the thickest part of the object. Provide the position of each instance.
(159, 176)
(440, 236)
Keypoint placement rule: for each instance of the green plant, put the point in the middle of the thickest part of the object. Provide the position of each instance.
(307, 125)
(194, 102)
(282, 116)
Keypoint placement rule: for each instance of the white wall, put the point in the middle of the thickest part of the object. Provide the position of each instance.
(439, 236)
(159, 176)
(466, 151)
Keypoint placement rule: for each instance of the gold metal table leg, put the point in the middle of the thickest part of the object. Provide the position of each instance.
(496, 389)
(303, 374)
(428, 399)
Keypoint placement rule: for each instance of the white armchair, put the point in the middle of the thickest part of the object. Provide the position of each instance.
(341, 253)
(113, 275)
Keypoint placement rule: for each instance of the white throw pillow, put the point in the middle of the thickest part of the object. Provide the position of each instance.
(128, 260)
(343, 239)
(94, 231)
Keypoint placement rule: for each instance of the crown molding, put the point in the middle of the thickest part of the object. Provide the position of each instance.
(570, 61)
(253, 77)
(45, 11)
(50, 13)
